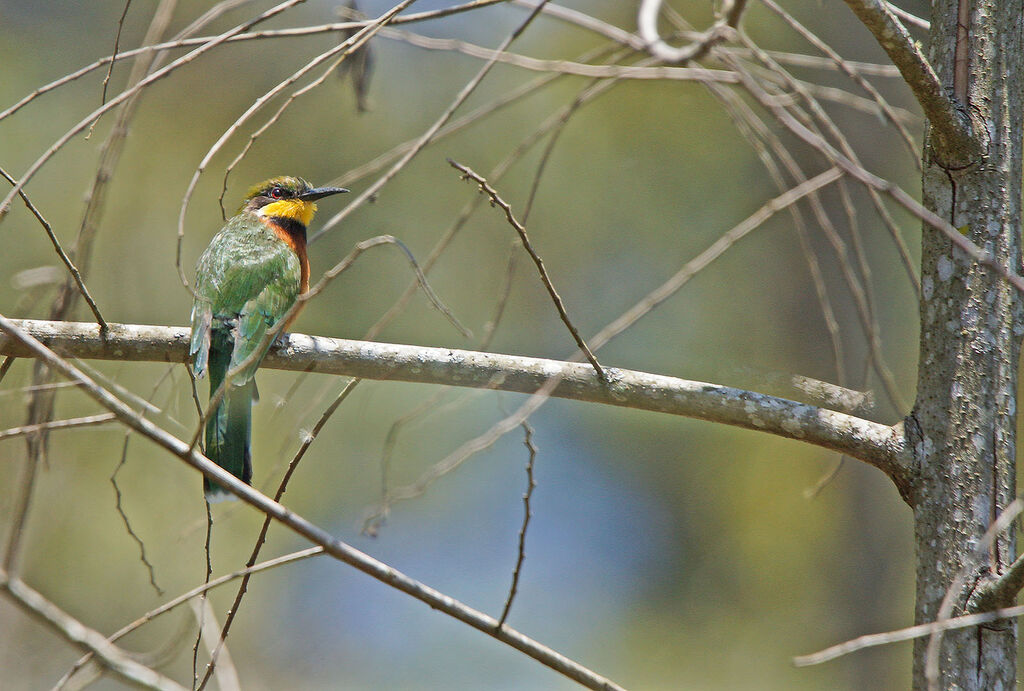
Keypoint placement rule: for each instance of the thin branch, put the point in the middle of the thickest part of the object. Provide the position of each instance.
(588, 22)
(527, 514)
(566, 67)
(227, 674)
(949, 120)
(86, 421)
(819, 63)
(908, 18)
(110, 69)
(72, 269)
(907, 634)
(336, 548)
(119, 497)
(872, 442)
(6, 366)
(485, 188)
(74, 631)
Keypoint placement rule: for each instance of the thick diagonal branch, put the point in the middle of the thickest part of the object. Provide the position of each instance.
(110, 656)
(949, 120)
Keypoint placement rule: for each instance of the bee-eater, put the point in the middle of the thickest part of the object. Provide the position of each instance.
(246, 281)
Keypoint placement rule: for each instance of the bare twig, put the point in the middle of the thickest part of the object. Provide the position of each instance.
(72, 269)
(110, 69)
(907, 634)
(5, 367)
(119, 497)
(521, 550)
(496, 200)
(907, 17)
(568, 67)
(227, 675)
(87, 421)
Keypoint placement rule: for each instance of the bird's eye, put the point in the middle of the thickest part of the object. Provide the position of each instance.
(278, 193)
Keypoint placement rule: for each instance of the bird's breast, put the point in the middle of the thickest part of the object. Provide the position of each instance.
(293, 234)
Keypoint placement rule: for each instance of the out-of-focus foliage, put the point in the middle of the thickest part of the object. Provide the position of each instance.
(663, 552)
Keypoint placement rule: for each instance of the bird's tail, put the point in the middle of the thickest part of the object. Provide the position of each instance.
(229, 427)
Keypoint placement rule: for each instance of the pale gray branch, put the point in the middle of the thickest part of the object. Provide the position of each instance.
(875, 443)
(907, 634)
(87, 421)
(108, 654)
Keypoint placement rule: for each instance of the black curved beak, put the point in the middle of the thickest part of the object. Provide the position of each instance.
(320, 193)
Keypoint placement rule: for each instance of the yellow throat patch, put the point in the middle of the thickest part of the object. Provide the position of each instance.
(295, 209)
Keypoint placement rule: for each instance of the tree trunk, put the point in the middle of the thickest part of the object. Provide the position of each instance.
(963, 425)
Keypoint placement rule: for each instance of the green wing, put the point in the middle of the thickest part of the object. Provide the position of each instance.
(246, 280)
(257, 316)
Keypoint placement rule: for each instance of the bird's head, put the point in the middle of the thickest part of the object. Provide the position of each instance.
(286, 197)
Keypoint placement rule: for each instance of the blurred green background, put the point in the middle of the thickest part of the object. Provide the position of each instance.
(664, 553)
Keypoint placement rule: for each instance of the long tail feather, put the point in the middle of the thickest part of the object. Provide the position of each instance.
(229, 428)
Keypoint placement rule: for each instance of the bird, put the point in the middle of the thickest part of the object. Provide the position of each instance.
(246, 281)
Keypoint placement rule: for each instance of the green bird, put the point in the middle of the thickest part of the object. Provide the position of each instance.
(252, 273)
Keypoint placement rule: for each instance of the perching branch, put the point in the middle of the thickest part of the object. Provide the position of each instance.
(950, 123)
(880, 445)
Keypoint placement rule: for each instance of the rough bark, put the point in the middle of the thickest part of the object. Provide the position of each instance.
(962, 427)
